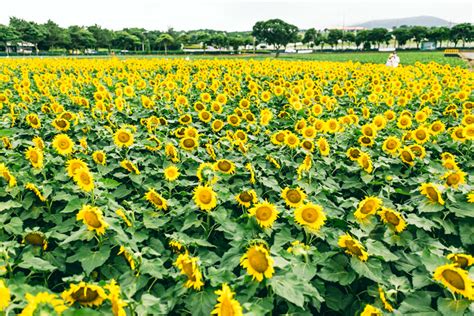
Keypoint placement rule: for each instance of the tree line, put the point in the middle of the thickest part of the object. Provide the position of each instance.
(275, 32)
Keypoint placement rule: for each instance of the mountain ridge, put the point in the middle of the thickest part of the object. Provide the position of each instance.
(422, 20)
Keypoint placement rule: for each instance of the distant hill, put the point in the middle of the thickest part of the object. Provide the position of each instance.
(416, 20)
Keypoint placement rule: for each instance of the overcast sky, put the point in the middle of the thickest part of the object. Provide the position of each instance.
(229, 15)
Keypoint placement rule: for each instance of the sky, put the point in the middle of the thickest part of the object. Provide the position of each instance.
(228, 15)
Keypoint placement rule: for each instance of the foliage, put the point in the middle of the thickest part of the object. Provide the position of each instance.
(168, 186)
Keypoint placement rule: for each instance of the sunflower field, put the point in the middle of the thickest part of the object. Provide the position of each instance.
(231, 187)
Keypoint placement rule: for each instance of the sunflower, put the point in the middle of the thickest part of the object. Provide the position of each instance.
(307, 145)
(353, 153)
(63, 144)
(85, 294)
(454, 178)
(38, 142)
(217, 125)
(171, 173)
(370, 310)
(36, 238)
(128, 256)
(369, 130)
(156, 199)
(189, 266)
(391, 145)
(84, 179)
(74, 165)
(386, 303)
(61, 124)
(171, 152)
(189, 143)
(92, 217)
(5, 173)
(470, 197)
(36, 303)
(246, 198)
(33, 188)
(404, 122)
(35, 156)
(258, 262)
(99, 157)
(278, 138)
(407, 156)
(226, 305)
(437, 127)
(293, 197)
(129, 166)
(432, 193)
(455, 279)
(123, 138)
(33, 120)
(352, 247)
(291, 140)
(5, 296)
(418, 150)
(114, 296)
(365, 162)
(205, 116)
(368, 206)
(323, 146)
(225, 166)
(205, 198)
(463, 261)
(265, 213)
(185, 119)
(450, 164)
(421, 135)
(392, 217)
(366, 141)
(458, 134)
(310, 216)
(121, 214)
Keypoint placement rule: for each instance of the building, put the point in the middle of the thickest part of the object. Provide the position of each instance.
(25, 48)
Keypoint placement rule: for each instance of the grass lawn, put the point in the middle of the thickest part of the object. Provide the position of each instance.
(406, 58)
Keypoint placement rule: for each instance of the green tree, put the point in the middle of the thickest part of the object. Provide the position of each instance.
(55, 36)
(419, 34)
(361, 38)
(7, 35)
(103, 37)
(402, 35)
(309, 37)
(165, 40)
(378, 35)
(80, 38)
(28, 31)
(333, 37)
(275, 32)
(348, 37)
(126, 41)
(463, 32)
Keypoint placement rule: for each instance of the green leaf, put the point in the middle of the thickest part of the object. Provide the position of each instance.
(371, 269)
(428, 207)
(201, 303)
(6, 132)
(93, 259)
(8, 205)
(288, 288)
(376, 248)
(36, 264)
(419, 304)
(72, 206)
(121, 192)
(15, 226)
(335, 272)
(449, 307)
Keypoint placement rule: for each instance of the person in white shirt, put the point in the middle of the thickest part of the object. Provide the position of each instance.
(395, 60)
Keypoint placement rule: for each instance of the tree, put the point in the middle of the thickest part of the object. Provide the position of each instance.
(7, 35)
(28, 31)
(126, 41)
(334, 36)
(378, 35)
(402, 34)
(80, 38)
(139, 33)
(55, 36)
(235, 42)
(103, 37)
(309, 37)
(462, 32)
(418, 34)
(275, 32)
(362, 38)
(165, 39)
(348, 37)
